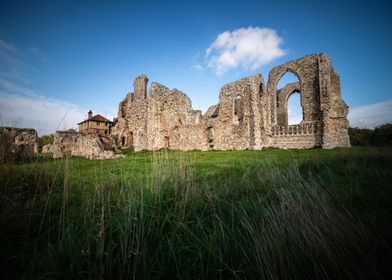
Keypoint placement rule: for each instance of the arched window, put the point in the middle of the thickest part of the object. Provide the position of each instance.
(287, 78)
(238, 109)
(288, 100)
(294, 109)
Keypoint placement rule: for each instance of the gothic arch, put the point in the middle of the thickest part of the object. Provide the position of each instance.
(290, 117)
(307, 71)
(283, 96)
(274, 77)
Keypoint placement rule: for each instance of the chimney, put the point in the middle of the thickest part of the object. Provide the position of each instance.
(90, 114)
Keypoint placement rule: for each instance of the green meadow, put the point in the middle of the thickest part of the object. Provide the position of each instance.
(271, 214)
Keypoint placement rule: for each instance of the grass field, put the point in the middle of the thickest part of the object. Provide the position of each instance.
(272, 214)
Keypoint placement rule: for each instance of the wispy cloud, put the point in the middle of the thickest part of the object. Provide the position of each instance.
(7, 46)
(197, 62)
(39, 112)
(244, 48)
(372, 115)
(22, 104)
(197, 67)
(16, 63)
(36, 52)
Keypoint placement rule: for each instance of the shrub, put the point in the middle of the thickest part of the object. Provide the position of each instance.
(44, 140)
(380, 136)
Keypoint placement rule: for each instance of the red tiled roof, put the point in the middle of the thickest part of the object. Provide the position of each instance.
(96, 118)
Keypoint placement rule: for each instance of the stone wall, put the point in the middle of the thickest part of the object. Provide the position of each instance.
(81, 144)
(92, 146)
(250, 114)
(332, 108)
(240, 117)
(300, 136)
(63, 142)
(47, 148)
(17, 144)
(157, 121)
(182, 140)
(132, 132)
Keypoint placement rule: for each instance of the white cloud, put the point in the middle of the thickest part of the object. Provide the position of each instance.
(44, 114)
(371, 115)
(22, 105)
(245, 48)
(198, 67)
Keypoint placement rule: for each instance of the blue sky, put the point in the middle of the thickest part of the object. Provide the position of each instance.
(58, 59)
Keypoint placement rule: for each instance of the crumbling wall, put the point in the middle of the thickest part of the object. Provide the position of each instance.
(190, 137)
(333, 109)
(17, 144)
(168, 111)
(306, 69)
(321, 101)
(92, 146)
(249, 115)
(240, 115)
(81, 144)
(131, 127)
(47, 148)
(152, 122)
(63, 142)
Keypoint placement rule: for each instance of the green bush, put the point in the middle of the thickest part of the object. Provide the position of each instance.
(380, 136)
(383, 135)
(44, 140)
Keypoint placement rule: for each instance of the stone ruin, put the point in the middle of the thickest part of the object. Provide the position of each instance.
(17, 144)
(81, 144)
(251, 114)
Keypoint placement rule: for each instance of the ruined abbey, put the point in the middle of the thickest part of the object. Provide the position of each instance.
(251, 114)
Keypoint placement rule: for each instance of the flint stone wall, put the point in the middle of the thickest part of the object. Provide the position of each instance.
(86, 145)
(91, 146)
(17, 144)
(63, 142)
(250, 115)
(47, 148)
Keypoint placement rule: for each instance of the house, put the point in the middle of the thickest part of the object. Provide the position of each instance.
(95, 124)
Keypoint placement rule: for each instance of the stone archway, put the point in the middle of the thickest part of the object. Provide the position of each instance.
(283, 96)
(307, 71)
(295, 111)
(274, 77)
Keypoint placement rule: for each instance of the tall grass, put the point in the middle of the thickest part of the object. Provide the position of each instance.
(309, 218)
